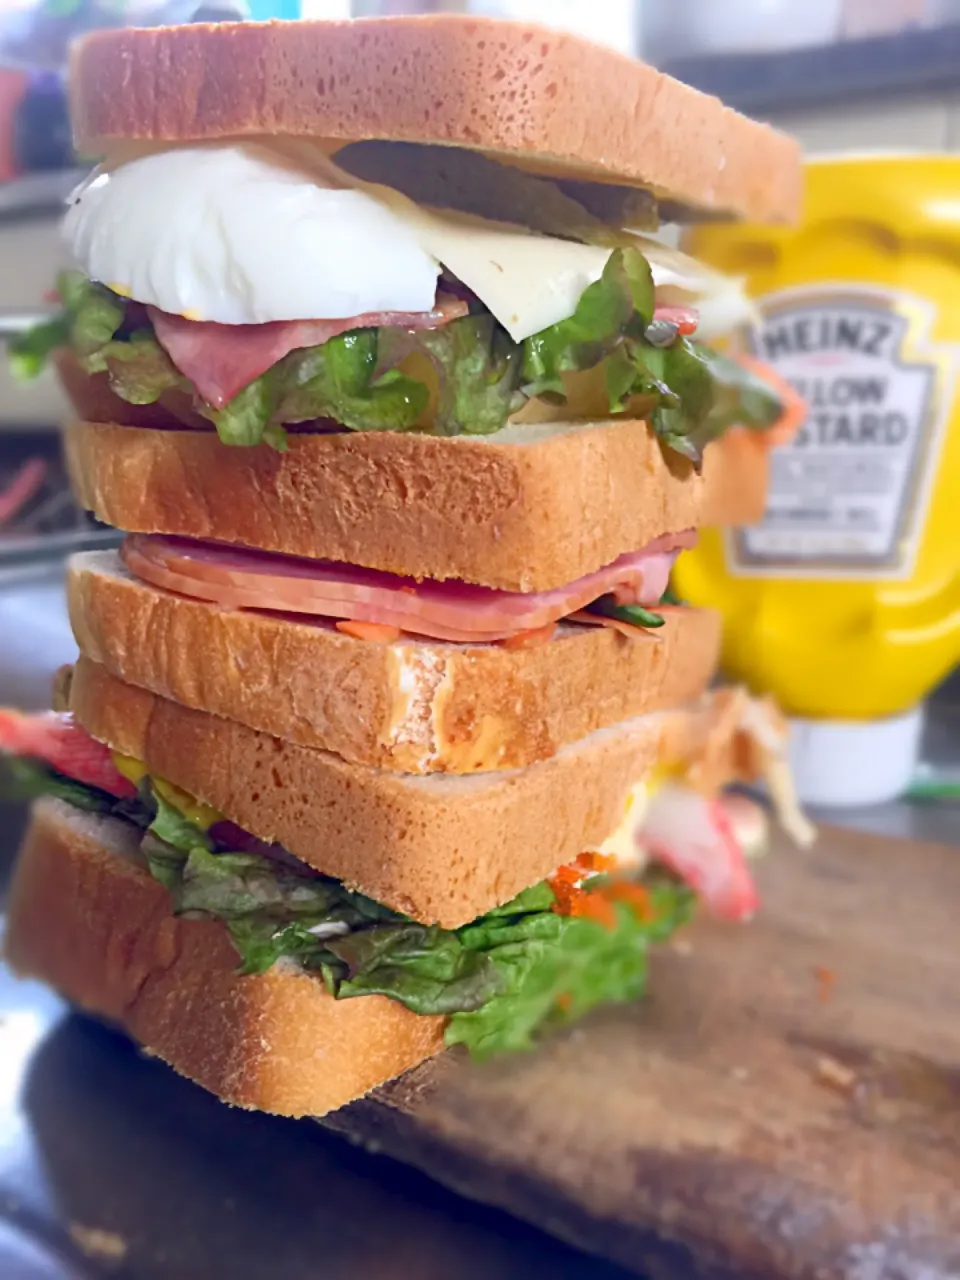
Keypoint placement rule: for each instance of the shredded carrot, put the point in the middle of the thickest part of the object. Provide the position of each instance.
(564, 897)
(530, 639)
(635, 896)
(794, 405)
(595, 862)
(612, 624)
(595, 906)
(568, 875)
(378, 632)
(572, 900)
(826, 980)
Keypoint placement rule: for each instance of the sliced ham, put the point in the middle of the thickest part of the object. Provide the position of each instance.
(239, 578)
(221, 359)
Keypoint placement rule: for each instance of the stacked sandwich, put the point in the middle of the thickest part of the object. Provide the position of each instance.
(386, 732)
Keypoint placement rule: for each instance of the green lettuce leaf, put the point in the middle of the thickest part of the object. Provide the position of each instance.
(426, 968)
(340, 380)
(271, 910)
(690, 393)
(478, 370)
(620, 303)
(95, 316)
(139, 369)
(165, 861)
(262, 943)
(233, 885)
(634, 614)
(695, 393)
(740, 397)
(170, 826)
(246, 419)
(503, 979)
(556, 968)
(26, 779)
(30, 352)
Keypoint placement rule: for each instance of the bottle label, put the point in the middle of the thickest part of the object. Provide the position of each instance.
(848, 495)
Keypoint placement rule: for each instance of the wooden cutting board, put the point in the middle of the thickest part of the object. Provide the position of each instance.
(786, 1103)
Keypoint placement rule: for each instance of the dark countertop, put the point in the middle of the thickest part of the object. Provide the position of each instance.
(94, 1138)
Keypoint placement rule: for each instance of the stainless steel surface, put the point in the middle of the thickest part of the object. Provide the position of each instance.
(112, 1166)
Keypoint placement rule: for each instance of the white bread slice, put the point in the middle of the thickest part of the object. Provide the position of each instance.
(528, 509)
(415, 706)
(533, 97)
(85, 916)
(442, 848)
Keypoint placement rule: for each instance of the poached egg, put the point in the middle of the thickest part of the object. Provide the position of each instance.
(250, 232)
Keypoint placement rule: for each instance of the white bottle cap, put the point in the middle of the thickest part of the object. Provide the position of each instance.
(848, 763)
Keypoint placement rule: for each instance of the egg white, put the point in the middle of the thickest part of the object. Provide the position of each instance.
(240, 235)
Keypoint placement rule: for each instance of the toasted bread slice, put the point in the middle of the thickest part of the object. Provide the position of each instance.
(528, 509)
(87, 917)
(415, 706)
(532, 97)
(441, 848)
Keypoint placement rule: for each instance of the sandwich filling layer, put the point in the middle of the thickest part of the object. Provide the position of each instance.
(374, 605)
(577, 940)
(272, 288)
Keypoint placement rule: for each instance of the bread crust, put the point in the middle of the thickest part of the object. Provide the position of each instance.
(528, 509)
(414, 706)
(86, 917)
(441, 849)
(547, 100)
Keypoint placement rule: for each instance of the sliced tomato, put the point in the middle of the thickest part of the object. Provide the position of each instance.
(221, 359)
(240, 578)
(56, 739)
(685, 318)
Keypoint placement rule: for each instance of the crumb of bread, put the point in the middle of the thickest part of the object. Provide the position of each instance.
(835, 1075)
(97, 1243)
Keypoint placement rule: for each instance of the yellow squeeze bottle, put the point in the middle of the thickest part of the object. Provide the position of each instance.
(844, 602)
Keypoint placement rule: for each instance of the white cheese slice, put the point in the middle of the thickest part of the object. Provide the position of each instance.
(244, 233)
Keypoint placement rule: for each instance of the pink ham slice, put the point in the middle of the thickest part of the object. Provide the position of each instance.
(221, 359)
(240, 578)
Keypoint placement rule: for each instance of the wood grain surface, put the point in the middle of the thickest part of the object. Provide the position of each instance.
(786, 1103)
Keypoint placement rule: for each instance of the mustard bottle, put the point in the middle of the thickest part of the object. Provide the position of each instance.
(844, 602)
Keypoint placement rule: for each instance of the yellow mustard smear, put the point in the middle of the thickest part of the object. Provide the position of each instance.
(203, 816)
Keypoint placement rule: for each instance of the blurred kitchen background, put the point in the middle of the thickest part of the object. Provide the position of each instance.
(841, 75)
